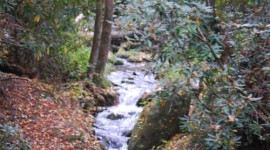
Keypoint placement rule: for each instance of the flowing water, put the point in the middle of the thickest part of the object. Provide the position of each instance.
(113, 125)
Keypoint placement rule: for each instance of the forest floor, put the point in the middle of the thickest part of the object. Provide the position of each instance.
(46, 118)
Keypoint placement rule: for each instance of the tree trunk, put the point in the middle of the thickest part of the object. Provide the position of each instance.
(105, 37)
(97, 37)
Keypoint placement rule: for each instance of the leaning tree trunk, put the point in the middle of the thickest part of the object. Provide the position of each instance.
(97, 38)
(105, 37)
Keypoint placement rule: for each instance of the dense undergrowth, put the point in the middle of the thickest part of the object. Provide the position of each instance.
(40, 39)
(226, 56)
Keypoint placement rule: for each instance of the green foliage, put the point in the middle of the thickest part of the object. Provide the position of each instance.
(220, 54)
(249, 10)
(11, 138)
(78, 62)
(112, 59)
(35, 33)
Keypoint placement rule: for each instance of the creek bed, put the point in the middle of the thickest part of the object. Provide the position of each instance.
(113, 125)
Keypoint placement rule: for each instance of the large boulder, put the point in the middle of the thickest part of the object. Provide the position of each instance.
(159, 121)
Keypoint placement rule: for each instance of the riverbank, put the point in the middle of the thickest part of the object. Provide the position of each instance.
(41, 116)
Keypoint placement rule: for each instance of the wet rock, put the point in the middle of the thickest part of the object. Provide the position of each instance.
(130, 78)
(134, 73)
(124, 56)
(144, 100)
(114, 116)
(114, 84)
(115, 145)
(131, 113)
(97, 110)
(118, 63)
(159, 121)
(127, 134)
(127, 82)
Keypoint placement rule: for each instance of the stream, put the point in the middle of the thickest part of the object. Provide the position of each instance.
(113, 125)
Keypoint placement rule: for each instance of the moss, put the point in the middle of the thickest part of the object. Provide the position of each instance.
(79, 62)
(101, 81)
(111, 58)
(89, 83)
(135, 59)
(153, 126)
(133, 55)
(119, 62)
(122, 53)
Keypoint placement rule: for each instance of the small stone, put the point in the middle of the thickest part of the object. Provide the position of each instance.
(131, 113)
(114, 84)
(130, 78)
(127, 82)
(114, 116)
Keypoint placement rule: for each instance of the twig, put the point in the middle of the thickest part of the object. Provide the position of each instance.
(263, 110)
(179, 44)
(251, 105)
(211, 49)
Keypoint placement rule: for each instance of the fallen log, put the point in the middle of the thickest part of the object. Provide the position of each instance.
(115, 34)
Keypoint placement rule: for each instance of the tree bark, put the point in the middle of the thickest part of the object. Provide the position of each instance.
(97, 38)
(105, 37)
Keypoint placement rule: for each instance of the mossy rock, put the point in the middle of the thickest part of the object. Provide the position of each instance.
(145, 99)
(118, 63)
(122, 53)
(159, 121)
(132, 55)
(135, 59)
(112, 58)
(103, 97)
(101, 81)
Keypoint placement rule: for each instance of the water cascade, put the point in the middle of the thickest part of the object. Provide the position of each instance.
(113, 125)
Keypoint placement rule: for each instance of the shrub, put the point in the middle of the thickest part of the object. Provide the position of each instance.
(11, 138)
